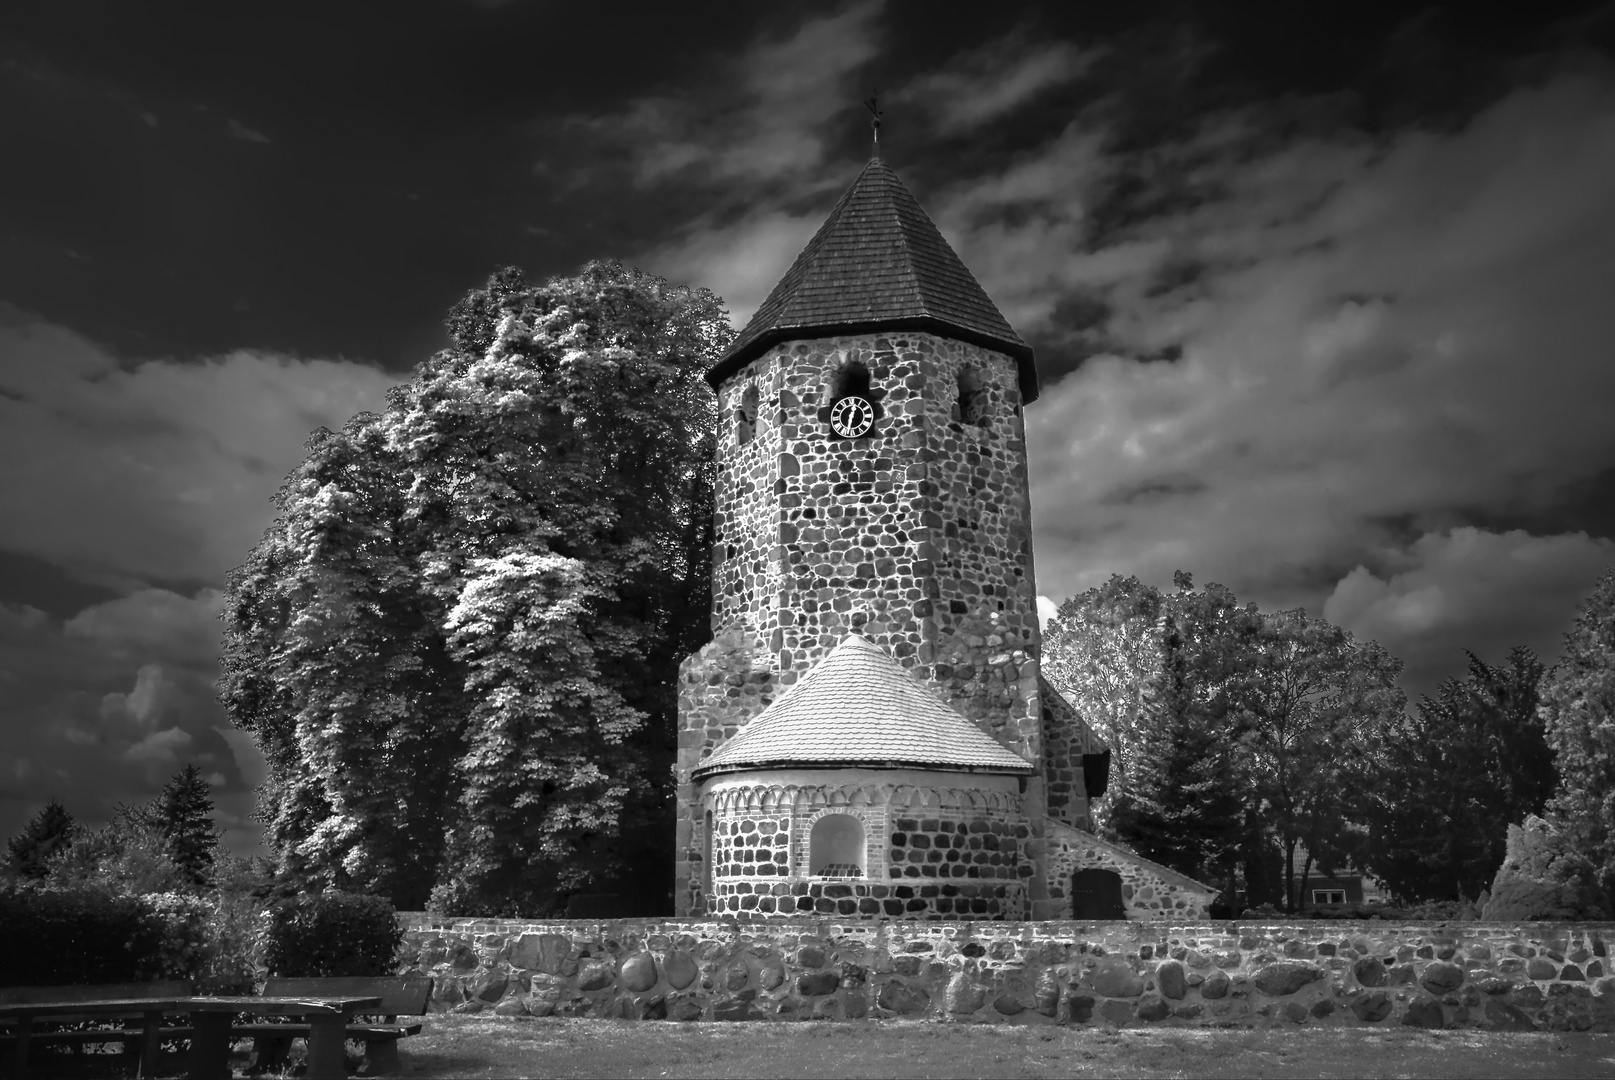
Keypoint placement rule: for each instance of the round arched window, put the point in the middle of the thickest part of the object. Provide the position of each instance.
(836, 847)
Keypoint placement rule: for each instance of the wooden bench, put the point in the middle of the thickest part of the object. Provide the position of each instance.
(129, 1037)
(401, 996)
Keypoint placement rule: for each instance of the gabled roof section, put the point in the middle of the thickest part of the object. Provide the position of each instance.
(877, 263)
(857, 706)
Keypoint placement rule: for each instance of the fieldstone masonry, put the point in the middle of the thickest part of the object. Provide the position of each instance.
(1149, 890)
(915, 534)
(1541, 976)
(918, 536)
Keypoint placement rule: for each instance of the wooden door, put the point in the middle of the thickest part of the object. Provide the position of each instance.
(1097, 894)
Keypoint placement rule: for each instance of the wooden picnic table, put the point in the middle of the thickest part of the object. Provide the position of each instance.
(327, 1018)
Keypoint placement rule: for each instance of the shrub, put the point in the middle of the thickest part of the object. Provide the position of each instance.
(183, 933)
(58, 936)
(331, 933)
(129, 855)
(1544, 877)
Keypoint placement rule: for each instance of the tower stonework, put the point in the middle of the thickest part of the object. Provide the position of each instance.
(909, 529)
(918, 535)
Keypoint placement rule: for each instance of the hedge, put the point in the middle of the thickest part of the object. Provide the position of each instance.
(54, 937)
(332, 934)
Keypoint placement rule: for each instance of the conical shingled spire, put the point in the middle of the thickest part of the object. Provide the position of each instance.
(877, 263)
(858, 706)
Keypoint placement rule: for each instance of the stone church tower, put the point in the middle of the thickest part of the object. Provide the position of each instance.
(867, 732)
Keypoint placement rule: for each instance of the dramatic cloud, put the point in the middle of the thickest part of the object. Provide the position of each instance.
(1374, 342)
(762, 120)
(1467, 589)
(994, 81)
(153, 479)
(159, 471)
(241, 131)
(106, 707)
(756, 142)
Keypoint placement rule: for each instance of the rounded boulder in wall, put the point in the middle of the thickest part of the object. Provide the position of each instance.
(1369, 971)
(1286, 977)
(541, 952)
(595, 976)
(638, 973)
(1442, 978)
(903, 999)
(963, 996)
(1172, 980)
(681, 969)
(1115, 978)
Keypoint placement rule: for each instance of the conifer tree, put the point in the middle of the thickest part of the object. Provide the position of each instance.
(47, 833)
(1452, 777)
(184, 814)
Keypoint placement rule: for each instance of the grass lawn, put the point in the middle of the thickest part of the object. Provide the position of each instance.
(469, 1046)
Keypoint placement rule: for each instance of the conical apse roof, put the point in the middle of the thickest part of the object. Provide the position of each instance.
(877, 263)
(858, 706)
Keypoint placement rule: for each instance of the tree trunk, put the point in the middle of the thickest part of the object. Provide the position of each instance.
(1301, 891)
(1289, 875)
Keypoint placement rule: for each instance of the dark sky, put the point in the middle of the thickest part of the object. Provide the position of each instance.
(1320, 293)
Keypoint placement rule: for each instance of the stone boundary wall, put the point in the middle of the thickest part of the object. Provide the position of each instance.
(1537, 976)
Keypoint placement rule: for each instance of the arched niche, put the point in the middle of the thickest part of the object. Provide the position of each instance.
(837, 847)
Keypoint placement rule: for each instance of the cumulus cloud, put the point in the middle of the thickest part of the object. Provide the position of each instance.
(994, 80)
(1375, 342)
(740, 262)
(1469, 589)
(760, 119)
(138, 476)
(160, 470)
(154, 623)
(241, 131)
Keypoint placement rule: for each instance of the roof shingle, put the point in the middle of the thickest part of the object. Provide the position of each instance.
(877, 262)
(858, 706)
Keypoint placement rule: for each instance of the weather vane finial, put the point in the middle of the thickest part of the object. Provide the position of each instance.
(874, 122)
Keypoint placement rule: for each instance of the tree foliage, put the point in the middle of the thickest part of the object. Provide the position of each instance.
(1104, 649)
(184, 814)
(1578, 713)
(1242, 733)
(130, 855)
(457, 645)
(1544, 877)
(46, 835)
(1451, 779)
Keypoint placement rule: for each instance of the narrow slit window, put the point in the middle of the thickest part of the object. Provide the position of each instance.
(849, 380)
(970, 405)
(746, 416)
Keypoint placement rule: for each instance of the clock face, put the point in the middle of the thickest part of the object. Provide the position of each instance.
(851, 417)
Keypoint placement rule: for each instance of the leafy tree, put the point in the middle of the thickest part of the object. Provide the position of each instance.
(1544, 877)
(47, 833)
(130, 855)
(1243, 733)
(1307, 703)
(184, 814)
(1184, 808)
(1104, 650)
(1453, 777)
(1578, 712)
(459, 643)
